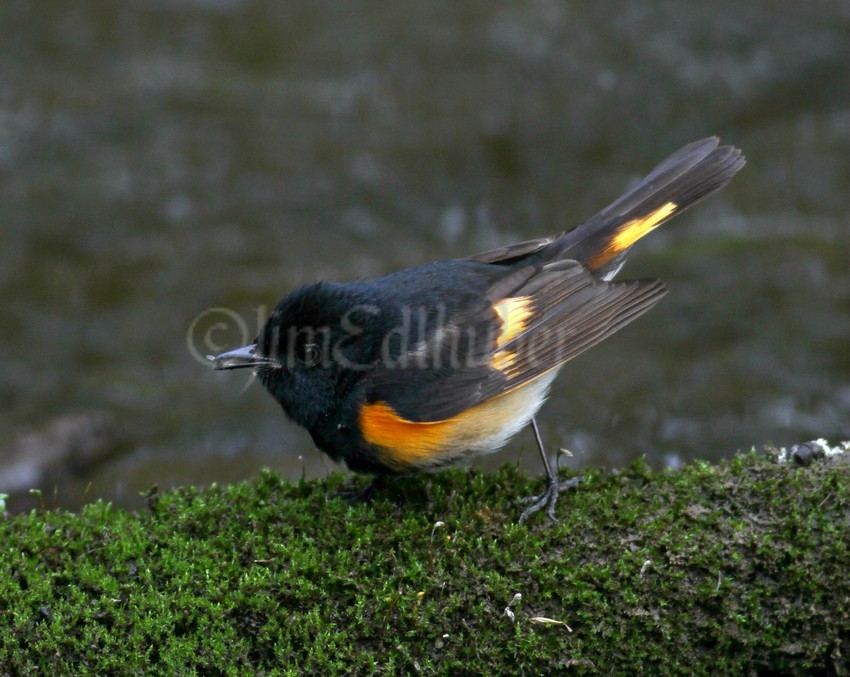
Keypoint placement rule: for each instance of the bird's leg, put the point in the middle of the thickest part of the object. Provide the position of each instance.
(550, 495)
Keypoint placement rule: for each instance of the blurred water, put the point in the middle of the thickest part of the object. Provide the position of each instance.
(162, 158)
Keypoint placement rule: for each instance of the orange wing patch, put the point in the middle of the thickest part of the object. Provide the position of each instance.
(514, 313)
(503, 360)
(632, 231)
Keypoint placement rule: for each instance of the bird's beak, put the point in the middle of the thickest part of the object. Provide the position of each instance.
(240, 358)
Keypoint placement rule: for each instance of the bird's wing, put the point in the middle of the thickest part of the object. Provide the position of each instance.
(531, 321)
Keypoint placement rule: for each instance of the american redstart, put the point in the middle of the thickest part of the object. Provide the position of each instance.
(420, 368)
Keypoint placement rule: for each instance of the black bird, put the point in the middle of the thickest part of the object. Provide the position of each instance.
(415, 370)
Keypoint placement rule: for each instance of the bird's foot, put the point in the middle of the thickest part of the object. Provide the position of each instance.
(548, 498)
(363, 495)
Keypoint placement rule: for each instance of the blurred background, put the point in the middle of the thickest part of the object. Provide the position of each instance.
(169, 168)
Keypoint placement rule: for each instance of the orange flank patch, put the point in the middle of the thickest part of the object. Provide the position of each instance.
(409, 440)
(632, 231)
(412, 445)
(514, 313)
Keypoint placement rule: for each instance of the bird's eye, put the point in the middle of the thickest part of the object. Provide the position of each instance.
(310, 355)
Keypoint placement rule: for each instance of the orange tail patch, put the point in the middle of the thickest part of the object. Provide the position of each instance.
(632, 231)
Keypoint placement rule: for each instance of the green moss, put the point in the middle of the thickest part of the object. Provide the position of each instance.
(741, 566)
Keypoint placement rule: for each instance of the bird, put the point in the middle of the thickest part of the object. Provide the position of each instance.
(415, 370)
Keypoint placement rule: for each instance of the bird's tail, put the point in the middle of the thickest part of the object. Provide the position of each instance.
(683, 179)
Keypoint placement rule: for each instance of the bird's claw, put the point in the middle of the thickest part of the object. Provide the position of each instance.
(548, 498)
(364, 494)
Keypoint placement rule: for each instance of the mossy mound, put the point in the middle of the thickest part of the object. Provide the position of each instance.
(739, 567)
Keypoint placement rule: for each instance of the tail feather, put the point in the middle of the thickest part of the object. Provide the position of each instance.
(683, 179)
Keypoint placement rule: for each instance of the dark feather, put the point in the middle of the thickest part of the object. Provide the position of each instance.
(511, 253)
